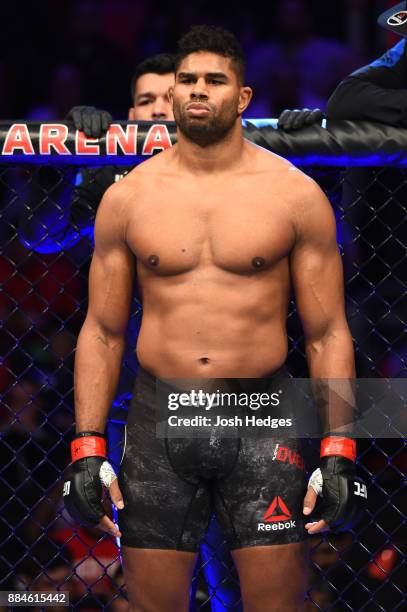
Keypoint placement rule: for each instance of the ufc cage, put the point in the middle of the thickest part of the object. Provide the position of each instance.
(46, 246)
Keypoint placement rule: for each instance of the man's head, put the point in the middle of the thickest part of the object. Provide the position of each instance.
(149, 89)
(209, 96)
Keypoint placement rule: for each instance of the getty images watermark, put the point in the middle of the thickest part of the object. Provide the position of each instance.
(198, 410)
(293, 407)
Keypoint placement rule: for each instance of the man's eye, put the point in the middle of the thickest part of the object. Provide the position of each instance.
(215, 82)
(186, 80)
(144, 102)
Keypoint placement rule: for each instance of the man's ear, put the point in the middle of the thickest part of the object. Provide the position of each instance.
(171, 94)
(131, 116)
(246, 94)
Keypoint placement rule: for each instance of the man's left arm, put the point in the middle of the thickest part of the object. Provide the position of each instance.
(317, 276)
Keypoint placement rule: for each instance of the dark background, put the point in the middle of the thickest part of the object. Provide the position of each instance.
(56, 53)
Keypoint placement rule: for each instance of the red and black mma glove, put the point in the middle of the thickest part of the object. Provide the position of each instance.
(83, 488)
(344, 495)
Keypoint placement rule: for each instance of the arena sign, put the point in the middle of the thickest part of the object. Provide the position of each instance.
(50, 138)
(333, 143)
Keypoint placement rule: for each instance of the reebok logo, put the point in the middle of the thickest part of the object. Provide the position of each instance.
(277, 517)
(277, 511)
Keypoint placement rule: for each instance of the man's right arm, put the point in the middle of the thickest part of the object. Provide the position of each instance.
(101, 341)
(98, 360)
(376, 92)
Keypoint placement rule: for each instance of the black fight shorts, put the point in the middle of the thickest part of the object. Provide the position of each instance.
(171, 487)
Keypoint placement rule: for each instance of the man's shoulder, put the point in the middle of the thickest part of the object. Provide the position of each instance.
(154, 164)
(130, 182)
(134, 185)
(143, 175)
(299, 194)
(277, 168)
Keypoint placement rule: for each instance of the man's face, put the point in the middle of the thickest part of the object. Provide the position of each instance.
(151, 101)
(207, 97)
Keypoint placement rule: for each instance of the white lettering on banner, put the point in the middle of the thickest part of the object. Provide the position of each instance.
(360, 489)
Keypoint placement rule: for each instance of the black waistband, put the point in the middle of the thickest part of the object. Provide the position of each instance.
(147, 380)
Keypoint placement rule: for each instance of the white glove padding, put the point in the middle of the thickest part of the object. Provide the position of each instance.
(316, 481)
(107, 474)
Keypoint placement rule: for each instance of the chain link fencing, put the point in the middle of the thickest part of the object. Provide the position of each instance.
(46, 245)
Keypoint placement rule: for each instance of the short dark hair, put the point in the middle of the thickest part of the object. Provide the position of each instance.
(214, 39)
(162, 63)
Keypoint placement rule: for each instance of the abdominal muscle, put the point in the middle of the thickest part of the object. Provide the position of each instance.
(220, 332)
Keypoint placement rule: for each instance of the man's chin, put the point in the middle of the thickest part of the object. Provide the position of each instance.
(198, 120)
(200, 131)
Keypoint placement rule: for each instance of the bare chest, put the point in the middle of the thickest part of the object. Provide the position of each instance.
(241, 231)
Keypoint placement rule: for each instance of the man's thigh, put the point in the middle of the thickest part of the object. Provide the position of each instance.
(165, 508)
(273, 578)
(158, 580)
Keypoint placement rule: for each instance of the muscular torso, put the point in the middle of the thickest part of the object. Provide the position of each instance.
(213, 268)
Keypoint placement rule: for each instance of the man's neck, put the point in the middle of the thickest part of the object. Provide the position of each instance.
(217, 158)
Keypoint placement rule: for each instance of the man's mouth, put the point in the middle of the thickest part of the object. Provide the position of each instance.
(197, 109)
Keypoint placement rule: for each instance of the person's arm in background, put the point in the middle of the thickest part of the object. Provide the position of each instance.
(62, 207)
(63, 202)
(376, 92)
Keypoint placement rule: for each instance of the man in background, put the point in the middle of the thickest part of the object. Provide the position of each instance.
(60, 218)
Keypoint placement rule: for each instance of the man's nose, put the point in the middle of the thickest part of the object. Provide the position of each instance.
(200, 89)
(160, 110)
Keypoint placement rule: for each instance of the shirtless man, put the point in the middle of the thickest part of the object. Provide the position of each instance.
(215, 229)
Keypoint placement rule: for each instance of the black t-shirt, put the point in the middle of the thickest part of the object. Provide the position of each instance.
(376, 92)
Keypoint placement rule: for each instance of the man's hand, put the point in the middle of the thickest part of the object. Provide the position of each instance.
(83, 488)
(297, 119)
(310, 500)
(88, 119)
(343, 493)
